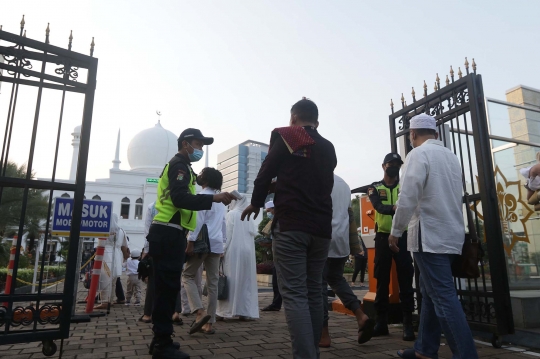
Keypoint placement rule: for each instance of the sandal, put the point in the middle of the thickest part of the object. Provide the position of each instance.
(211, 331)
(366, 332)
(407, 354)
(102, 306)
(145, 320)
(178, 321)
(119, 302)
(197, 326)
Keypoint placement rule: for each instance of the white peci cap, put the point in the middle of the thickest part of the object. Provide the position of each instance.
(423, 121)
(269, 204)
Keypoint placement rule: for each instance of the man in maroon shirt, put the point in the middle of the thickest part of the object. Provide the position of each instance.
(303, 162)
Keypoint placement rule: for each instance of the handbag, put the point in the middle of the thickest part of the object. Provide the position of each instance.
(466, 264)
(223, 288)
(202, 244)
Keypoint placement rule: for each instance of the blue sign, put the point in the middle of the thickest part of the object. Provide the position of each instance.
(96, 217)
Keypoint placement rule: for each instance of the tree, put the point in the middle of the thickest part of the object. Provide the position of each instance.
(11, 205)
(355, 204)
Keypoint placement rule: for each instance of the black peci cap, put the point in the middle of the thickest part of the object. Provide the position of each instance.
(192, 134)
(392, 157)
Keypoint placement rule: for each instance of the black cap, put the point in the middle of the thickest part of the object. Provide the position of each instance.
(392, 157)
(192, 134)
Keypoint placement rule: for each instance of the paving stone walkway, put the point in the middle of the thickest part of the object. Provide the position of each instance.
(121, 335)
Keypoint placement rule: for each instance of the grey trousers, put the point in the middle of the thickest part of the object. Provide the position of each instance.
(211, 264)
(182, 302)
(333, 276)
(299, 259)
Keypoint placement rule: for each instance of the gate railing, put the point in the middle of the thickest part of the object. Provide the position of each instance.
(43, 68)
(458, 106)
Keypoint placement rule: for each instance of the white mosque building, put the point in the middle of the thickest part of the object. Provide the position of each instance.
(131, 191)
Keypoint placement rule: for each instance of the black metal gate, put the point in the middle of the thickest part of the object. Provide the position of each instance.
(462, 125)
(30, 69)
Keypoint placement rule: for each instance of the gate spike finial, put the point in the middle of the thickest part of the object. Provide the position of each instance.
(438, 80)
(24, 35)
(392, 105)
(70, 40)
(402, 101)
(467, 66)
(405, 103)
(92, 45)
(447, 81)
(460, 74)
(22, 22)
(435, 87)
(473, 65)
(452, 73)
(413, 95)
(0, 27)
(47, 32)
(425, 88)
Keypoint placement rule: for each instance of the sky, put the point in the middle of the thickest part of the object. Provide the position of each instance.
(234, 69)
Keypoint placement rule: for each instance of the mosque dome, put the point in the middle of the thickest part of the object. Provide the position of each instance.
(151, 149)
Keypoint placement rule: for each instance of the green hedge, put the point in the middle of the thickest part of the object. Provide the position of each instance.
(27, 274)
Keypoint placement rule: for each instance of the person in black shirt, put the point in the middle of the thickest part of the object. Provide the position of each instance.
(303, 162)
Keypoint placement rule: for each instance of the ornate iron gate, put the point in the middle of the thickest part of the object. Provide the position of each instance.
(30, 64)
(462, 126)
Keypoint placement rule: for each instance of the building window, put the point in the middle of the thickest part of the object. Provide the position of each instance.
(138, 208)
(65, 195)
(124, 208)
(96, 197)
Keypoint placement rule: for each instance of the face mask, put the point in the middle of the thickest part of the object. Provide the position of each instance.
(269, 215)
(199, 181)
(392, 171)
(196, 155)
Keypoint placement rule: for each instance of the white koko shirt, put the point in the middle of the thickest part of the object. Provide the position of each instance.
(341, 201)
(214, 219)
(430, 200)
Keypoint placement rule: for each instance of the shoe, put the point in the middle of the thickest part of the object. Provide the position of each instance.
(127, 303)
(141, 319)
(408, 331)
(137, 304)
(534, 198)
(381, 327)
(151, 347)
(270, 308)
(168, 351)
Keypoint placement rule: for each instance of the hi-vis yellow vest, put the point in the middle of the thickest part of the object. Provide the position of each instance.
(388, 196)
(165, 207)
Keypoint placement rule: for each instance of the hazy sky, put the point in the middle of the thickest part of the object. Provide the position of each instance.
(234, 68)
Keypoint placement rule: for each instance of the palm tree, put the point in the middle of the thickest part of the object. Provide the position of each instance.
(11, 205)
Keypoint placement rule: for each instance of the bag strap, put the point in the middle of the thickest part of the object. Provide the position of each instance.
(221, 270)
(470, 221)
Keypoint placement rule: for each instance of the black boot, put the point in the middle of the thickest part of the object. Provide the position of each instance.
(381, 327)
(164, 349)
(408, 331)
(176, 345)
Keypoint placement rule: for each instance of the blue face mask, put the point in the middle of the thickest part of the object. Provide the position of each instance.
(196, 155)
(269, 215)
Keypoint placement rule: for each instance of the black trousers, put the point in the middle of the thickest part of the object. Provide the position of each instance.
(150, 292)
(333, 276)
(167, 249)
(359, 266)
(119, 290)
(277, 301)
(383, 267)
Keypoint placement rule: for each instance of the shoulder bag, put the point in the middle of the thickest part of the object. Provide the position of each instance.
(202, 244)
(466, 264)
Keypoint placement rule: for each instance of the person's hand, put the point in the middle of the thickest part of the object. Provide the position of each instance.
(190, 247)
(249, 210)
(394, 208)
(224, 197)
(361, 253)
(222, 255)
(393, 243)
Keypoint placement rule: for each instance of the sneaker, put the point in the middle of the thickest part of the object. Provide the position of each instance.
(168, 352)
(127, 303)
(137, 304)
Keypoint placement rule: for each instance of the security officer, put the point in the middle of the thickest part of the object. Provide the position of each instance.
(384, 195)
(176, 203)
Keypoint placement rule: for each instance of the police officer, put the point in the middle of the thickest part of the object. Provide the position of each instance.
(384, 195)
(176, 203)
